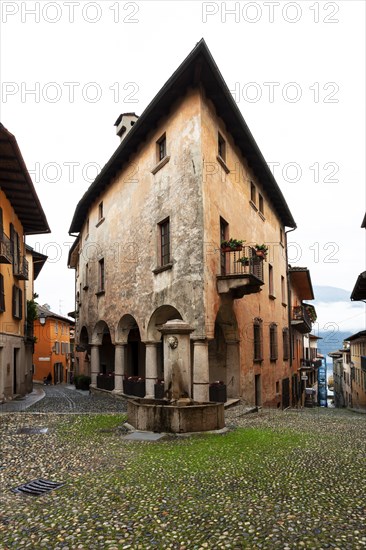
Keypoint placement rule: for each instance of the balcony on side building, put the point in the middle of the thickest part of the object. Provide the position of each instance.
(5, 249)
(300, 319)
(21, 269)
(241, 272)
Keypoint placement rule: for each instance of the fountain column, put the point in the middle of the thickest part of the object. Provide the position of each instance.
(177, 359)
(151, 368)
(200, 371)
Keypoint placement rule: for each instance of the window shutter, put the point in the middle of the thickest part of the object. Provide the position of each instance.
(14, 301)
(1, 223)
(12, 239)
(20, 303)
(2, 294)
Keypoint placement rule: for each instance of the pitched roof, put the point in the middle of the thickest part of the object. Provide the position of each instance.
(38, 260)
(199, 68)
(42, 310)
(300, 277)
(359, 290)
(361, 334)
(18, 187)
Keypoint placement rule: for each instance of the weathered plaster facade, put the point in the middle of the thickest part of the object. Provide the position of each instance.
(119, 221)
(20, 214)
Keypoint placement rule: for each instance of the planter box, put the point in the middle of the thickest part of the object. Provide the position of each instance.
(138, 388)
(159, 391)
(127, 387)
(105, 382)
(229, 249)
(218, 393)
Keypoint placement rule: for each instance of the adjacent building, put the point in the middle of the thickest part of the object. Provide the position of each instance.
(359, 290)
(21, 214)
(159, 239)
(53, 348)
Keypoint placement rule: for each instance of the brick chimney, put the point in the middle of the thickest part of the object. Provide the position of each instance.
(124, 123)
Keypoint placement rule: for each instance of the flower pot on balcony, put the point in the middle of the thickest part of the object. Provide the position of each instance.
(217, 392)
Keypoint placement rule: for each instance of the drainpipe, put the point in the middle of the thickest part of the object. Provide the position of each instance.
(289, 296)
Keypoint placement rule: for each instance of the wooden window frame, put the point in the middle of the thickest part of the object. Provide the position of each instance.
(161, 149)
(101, 275)
(273, 342)
(164, 242)
(258, 340)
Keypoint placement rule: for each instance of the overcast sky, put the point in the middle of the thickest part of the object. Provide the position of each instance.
(296, 70)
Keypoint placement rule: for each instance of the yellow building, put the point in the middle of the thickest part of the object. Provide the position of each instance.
(187, 177)
(21, 214)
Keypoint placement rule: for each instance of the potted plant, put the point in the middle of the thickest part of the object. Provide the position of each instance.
(244, 260)
(261, 250)
(232, 245)
(159, 389)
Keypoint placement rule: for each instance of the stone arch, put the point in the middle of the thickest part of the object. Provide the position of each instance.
(84, 337)
(102, 337)
(160, 316)
(126, 323)
(223, 351)
(82, 353)
(100, 329)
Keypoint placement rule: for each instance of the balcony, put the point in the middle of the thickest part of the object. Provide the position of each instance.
(300, 319)
(5, 249)
(241, 272)
(21, 269)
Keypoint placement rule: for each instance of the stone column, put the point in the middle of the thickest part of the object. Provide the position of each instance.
(232, 368)
(177, 358)
(119, 366)
(151, 363)
(94, 363)
(201, 376)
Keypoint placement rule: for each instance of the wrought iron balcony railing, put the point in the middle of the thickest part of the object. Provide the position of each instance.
(21, 269)
(5, 249)
(241, 272)
(300, 319)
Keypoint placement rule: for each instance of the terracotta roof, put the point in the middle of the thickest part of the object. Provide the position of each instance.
(199, 68)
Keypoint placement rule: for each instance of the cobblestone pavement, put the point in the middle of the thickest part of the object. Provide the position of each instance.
(294, 480)
(65, 398)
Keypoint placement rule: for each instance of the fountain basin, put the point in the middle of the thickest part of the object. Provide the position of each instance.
(159, 415)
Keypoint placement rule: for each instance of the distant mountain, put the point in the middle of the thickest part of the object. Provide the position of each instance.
(331, 294)
(331, 341)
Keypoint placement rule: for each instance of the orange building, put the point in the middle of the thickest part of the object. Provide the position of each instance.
(52, 350)
(21, 214)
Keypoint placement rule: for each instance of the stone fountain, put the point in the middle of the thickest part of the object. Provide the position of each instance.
(177, 412)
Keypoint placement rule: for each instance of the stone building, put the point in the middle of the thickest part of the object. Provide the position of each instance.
(303, 350)
(187, 176)
(21, 214)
